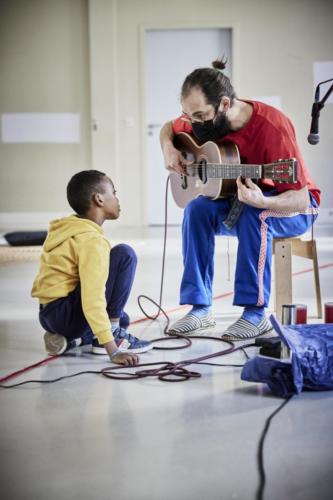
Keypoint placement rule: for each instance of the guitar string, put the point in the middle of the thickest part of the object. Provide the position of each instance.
(214, 170)
(230, 173)
(241, 165)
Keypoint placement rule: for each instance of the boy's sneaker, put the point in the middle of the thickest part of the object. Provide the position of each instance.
(56, 344)
(125, 342)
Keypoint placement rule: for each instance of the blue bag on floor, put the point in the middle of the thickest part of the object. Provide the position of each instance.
(311, 364)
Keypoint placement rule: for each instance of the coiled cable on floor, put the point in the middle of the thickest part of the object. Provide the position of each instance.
(167, 371)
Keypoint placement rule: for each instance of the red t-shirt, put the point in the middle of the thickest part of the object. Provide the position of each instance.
(268, 136)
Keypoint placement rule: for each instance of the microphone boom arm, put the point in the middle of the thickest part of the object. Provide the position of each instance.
(313, 137)
(326, 96)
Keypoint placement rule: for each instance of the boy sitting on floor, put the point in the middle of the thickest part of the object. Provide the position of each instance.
(83, 284)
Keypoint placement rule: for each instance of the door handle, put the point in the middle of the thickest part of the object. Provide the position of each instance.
(152, 126)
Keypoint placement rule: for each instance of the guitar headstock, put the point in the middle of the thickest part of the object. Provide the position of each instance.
(284, 171)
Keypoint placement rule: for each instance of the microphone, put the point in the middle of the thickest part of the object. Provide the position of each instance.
(313, 137)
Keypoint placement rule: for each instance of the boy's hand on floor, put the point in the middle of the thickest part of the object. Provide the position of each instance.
(126, 359)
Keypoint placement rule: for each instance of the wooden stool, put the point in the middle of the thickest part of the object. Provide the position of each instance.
(284, 249)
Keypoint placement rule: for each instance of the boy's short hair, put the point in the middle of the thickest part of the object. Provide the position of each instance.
(81, 188)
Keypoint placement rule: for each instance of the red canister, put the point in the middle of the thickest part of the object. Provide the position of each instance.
(301, 314)
(328, 312)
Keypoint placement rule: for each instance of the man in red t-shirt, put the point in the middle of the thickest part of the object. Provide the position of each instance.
(211, 111)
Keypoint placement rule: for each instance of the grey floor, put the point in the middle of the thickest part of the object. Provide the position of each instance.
(93, 438)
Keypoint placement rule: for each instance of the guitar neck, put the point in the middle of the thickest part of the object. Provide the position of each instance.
(233, 170)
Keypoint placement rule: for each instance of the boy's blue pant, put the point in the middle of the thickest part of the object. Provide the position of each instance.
(65, 315)
(255, 230)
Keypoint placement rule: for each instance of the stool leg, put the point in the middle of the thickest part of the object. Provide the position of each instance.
(283, 275)
(316, 277)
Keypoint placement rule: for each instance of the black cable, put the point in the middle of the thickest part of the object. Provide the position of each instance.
(245, 353)
(159, 305)
(260, 452)
(220, 364)
(159, 309)
(50, 381)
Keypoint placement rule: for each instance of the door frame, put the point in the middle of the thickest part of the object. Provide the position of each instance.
(234, 26)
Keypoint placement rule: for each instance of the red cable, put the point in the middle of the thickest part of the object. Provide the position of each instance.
(30, 367)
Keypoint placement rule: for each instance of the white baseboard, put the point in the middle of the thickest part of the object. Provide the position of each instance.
(34, 221)
(27, 221)
(39, 221)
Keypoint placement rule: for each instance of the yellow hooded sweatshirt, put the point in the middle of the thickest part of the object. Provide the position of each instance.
(76, 250)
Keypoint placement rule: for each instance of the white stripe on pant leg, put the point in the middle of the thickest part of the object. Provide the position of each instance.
(263, 243)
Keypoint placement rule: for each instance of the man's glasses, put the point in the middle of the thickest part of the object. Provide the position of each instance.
(205, 117)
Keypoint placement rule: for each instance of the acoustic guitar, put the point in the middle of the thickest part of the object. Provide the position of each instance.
(215, 168)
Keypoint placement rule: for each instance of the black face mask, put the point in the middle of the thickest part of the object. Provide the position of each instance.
(212, 130)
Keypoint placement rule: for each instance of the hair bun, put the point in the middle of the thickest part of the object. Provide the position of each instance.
(220, 63)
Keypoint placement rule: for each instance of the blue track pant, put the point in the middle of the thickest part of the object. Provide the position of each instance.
(255, 230)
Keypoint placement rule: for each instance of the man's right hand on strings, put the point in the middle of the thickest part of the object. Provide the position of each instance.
(174, 160)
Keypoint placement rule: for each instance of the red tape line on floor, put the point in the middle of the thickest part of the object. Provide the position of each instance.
(217, 297)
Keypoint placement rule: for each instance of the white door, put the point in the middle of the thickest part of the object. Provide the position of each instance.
(170, 55)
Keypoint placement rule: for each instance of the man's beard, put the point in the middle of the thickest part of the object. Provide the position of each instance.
(212, 130)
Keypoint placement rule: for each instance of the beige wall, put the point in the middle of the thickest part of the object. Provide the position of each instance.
(44, 68)
(46, 61)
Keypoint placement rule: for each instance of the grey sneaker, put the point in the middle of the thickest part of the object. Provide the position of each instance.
(56, 344)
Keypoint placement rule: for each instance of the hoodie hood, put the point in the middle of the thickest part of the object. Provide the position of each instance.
(61, 230)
